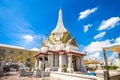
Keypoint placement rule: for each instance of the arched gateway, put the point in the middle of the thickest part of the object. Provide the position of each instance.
(60, 50)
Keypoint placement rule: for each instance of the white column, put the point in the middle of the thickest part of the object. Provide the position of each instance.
(36, 62)
(60, 61)
(43, 62)
(70, 65)
(78, 63)
(40, 64)
(82, 64)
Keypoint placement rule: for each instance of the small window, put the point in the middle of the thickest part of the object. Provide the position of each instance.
(30, 53)
(11, 51)
(4, 51)
(28, 60)
(20, 52)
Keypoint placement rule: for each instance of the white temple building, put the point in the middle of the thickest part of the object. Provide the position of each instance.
(60, 50)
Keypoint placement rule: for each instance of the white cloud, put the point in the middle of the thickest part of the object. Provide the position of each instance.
(35, 49)
(100, 35)
(94, 49)
(95, 55)
(110, 23)
(112, 57)
(87, 12)
(117, 39)
(86, 27)
(28, 38)
(97, 46)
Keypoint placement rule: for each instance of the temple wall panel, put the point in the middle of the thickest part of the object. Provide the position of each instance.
(50, 60)
(64, 60)
(57, 60)
(78, 63)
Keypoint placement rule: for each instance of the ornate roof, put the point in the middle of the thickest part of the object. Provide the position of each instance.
(59, 40)
(61, 34)
(60, 30)
(72, 42)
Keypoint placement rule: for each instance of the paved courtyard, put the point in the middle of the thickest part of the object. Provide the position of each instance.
(14, 76)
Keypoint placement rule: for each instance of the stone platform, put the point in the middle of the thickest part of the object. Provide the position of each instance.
(74, 76)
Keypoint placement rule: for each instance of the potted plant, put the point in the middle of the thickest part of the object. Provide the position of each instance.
(64, 68)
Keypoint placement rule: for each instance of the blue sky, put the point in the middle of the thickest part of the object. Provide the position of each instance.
(93, 23)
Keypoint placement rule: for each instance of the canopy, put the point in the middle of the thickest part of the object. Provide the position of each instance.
(113, 47)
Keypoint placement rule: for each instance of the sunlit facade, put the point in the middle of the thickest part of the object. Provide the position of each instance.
(17, 54)
(60, 51)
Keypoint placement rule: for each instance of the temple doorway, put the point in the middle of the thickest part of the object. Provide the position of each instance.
(74, 62)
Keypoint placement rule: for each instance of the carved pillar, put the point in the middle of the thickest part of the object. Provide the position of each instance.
(60, 61)
(78, 63)
(70, 65)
